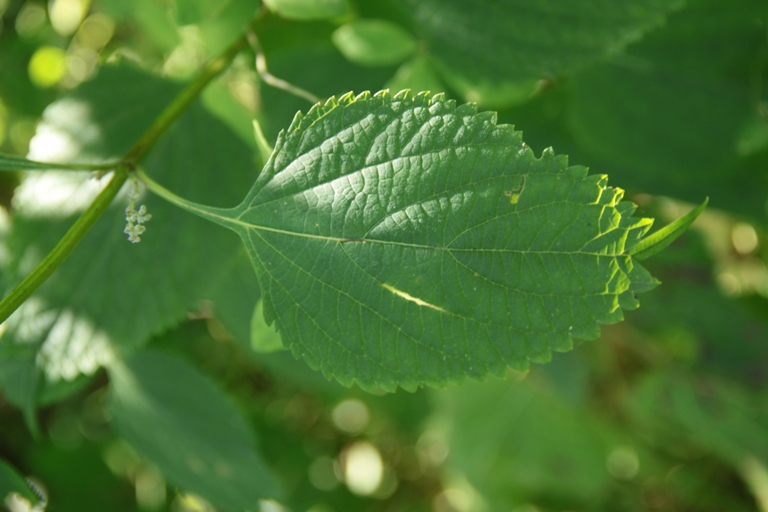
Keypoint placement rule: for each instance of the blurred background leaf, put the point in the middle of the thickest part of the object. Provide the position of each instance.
(197, 439)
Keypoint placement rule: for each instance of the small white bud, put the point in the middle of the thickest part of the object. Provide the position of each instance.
(135, 219)
(142, 216)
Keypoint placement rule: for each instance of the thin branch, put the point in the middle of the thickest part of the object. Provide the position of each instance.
(16, 163)
(269, 78)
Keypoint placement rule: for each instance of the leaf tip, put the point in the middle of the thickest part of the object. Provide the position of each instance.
(656, 242)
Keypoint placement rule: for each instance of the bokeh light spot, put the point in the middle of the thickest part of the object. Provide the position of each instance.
(322, 474)
(47, 66)
(351, 416)
(66, 15)
(744, 238)
(623, 463)
(363, 468)
(30, 20)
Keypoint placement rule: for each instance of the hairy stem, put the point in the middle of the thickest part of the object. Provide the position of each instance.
(139, 150)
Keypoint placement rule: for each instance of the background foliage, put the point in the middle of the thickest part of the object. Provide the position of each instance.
(199, 408)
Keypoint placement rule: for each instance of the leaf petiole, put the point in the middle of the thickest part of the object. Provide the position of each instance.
(172, 198)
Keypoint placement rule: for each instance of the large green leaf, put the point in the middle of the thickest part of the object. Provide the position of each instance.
(177, 419)
(407, 241)
(514, 40)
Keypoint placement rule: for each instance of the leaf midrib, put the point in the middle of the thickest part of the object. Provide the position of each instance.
(236, 224)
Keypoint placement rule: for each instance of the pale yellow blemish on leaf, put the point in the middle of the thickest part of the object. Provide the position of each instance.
(514, 195)
(411, 298)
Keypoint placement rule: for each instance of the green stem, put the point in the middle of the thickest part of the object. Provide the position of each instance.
(15, 164)
(221, 216)
(139, 150)
(105, 166)
(269, 78)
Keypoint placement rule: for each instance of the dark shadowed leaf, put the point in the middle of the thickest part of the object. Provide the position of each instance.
(514, 40)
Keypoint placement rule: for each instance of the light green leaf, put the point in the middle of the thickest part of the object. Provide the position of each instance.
(408, 241)
(656, 242)
(491, 93)
(308, 9)
(20, 379)
(12, 482)
(417, 74)
(515, 40)
(374, 42)
(153, 18)
(196, 437)
(217, 20)
(263, 337)
(218, 100)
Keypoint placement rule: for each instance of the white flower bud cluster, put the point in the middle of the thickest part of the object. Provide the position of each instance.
(135, 219)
